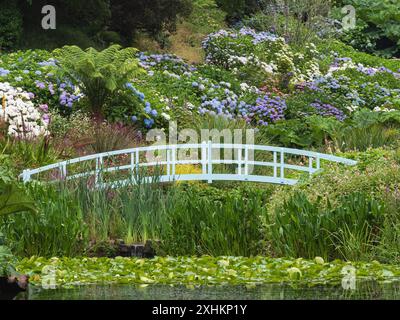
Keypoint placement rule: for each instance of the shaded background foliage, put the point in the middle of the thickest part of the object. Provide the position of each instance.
(85, 23)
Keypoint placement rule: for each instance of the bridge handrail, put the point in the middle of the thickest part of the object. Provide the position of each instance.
(205, 160)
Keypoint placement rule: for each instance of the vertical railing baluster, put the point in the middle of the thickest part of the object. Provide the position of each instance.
(168, 163)
(204, 157)
(282, 164)
(240, 161)
(318, 162)
(275, 164)
(173, 150)
(132, 165)
(310, 165)
(210, 162)
(246, 160)
(26, 175)
(99, 167)
(63, 171)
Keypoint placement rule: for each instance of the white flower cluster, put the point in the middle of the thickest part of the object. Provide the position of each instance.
(235, 61)
(17, 110)
(382, 109)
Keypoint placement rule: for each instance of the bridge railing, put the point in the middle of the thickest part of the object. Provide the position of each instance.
(242, 161)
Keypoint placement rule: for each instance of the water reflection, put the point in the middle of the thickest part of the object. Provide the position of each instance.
(367, 290)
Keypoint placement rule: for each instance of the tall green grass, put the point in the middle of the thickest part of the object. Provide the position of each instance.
(57, 229)
(304, 228)
(203, 225)
(363, 138)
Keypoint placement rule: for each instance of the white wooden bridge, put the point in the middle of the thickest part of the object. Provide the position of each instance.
(98, 166)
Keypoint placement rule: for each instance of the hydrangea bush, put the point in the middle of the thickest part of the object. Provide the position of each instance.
(23, 118)
(247, 50)
(36, 72)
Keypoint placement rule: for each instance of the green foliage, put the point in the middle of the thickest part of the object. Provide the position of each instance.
(7, 261)
(377, 29)
(236, 9)
(203, 225)
(312, 131)
(57, 229)
(154, 16)
(105, 137)
(362, 138)
(366, 59)
(101, 74)
(300, 228)
(206, 17)
(298, 21)
(78, 22)
(10, 25)
(342, 213)
(201, 271)
(14, 200)
(25, 154)
(388, 248)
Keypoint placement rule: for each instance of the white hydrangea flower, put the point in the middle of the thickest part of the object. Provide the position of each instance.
(23, 118)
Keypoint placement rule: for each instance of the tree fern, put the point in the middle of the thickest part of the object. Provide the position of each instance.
(99, 73)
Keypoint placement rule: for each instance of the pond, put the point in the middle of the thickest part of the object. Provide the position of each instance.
(366, 290)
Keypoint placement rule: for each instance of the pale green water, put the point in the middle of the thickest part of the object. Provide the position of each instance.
(365, 290)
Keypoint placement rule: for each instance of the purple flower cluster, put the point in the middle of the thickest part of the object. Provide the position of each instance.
(267, 109)
(65, 98)
(151, 114)
(4, 72)
(49, 63)
(328, 110)
(219, 99)
(328, 82)
(44, 108)
(68, 99)
(369, 71)
(258, 37)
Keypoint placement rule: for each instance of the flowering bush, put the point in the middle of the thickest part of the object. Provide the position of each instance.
(354, 86)
(35, 72)
(24, 120)
(263, 51)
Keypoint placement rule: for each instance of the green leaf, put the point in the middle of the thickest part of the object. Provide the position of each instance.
(13, 200)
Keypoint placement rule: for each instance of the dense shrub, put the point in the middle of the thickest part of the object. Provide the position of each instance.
(10, 25)
(377, 28)
(153, 16)
(339, 214)
(297, 21)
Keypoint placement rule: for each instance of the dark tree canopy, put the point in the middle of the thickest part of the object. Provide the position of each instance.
(150, 15)
(86, 22)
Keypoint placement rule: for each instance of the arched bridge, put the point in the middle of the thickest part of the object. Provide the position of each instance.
(282, 164)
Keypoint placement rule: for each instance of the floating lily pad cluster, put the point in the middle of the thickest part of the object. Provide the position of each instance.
(201, 271)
